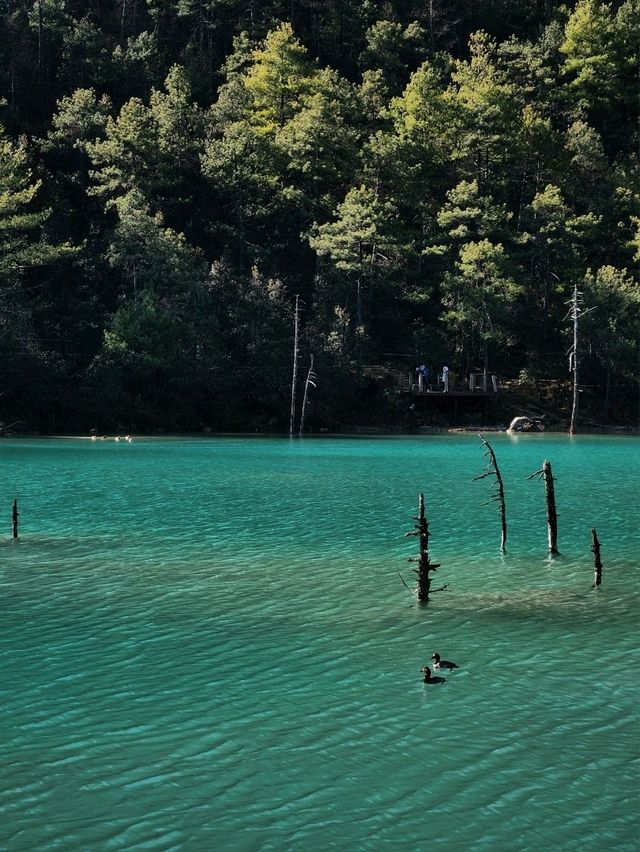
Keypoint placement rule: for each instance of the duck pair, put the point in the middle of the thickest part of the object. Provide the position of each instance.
(438, 664)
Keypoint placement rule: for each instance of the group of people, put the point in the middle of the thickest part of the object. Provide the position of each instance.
(422, 375)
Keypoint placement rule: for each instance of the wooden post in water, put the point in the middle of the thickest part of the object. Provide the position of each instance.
(597, 564)
(498, 496)
(425, 567)
(552, 515)
(14, 519)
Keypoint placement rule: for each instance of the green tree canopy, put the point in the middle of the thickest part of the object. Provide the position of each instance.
(279, 78)
(478, 296)
(128, 158)
(23, 242)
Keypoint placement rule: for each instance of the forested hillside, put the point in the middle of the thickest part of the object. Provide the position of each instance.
(431, 178)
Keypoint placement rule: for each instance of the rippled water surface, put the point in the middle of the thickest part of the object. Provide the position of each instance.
(206, 646)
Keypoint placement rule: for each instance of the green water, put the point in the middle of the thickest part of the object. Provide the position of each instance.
(206, 646)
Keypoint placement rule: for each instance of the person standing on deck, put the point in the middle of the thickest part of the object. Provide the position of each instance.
(445, 379)
(422, 372)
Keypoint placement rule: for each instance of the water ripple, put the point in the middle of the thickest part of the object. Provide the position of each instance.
(197, 678)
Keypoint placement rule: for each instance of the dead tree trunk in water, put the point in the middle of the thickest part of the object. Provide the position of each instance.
(552, 516)
(425, 567)
(498, 496)
(597, 564)
(14, 519)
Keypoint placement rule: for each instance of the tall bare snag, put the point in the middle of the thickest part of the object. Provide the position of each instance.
(492, 469)
(550, 495)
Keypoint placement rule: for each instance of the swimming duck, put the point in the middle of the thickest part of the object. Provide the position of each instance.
(429, 678)
(443, 664)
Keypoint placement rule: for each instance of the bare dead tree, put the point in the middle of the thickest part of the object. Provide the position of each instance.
(6, 427)
(552, 516)
(597, 563)
(309, 382)
(294, 379)
(575, 312)
(425, 566)
(492, 469)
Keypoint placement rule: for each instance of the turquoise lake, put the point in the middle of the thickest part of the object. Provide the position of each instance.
(206, 646)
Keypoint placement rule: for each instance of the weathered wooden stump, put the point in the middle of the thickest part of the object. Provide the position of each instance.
(597, 563)
(425, 566)
(550, 496)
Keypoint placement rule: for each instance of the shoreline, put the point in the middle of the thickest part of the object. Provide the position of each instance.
(350, 432)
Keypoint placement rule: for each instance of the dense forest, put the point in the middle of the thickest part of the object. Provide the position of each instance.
(430, 177)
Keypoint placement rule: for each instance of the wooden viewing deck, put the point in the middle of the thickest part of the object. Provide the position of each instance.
(477, 385)
(434, 400)
(471, 398)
